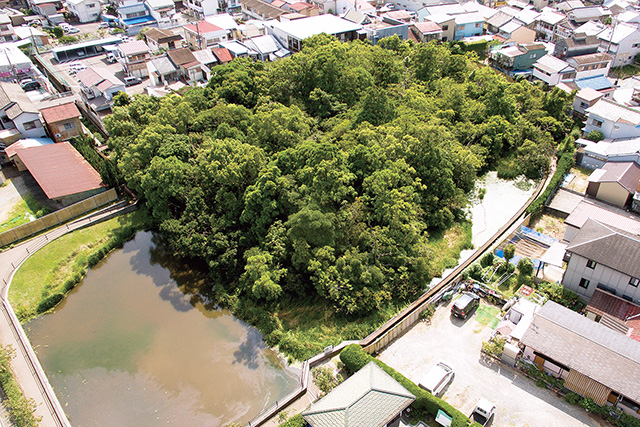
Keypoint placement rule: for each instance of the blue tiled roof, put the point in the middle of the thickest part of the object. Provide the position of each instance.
(596, 82)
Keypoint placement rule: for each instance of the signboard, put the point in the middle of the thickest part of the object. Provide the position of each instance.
(443, 419)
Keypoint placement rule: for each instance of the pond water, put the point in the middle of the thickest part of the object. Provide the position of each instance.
(141, 343)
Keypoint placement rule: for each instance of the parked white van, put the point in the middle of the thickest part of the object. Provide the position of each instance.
(437, 378)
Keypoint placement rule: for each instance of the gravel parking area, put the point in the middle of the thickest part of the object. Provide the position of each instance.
(458, 342)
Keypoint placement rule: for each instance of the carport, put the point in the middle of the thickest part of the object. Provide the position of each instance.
(84, 49)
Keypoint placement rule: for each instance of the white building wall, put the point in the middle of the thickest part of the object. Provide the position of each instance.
(551, 80)
(86, 11)
(210, 7)
(611, 129)
(37, 132)
(577, 269)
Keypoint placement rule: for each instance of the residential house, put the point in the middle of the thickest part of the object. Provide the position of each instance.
(529, 17)
(291, 34)
(516, 59)
(613, 120)
(207, 61)
(426, 31)
(13, 62)
(47, 8)
(162, 71)
(37, 37)
(261, 10)
(614, 183)
(63, 121)
(239, 50)
(447, 23)
(584, 99)
(84, 10)
(222, 54)
(190, 68)
(515, 32)
(615, 313)
(552, 70)
(203, 34)
(9, 154)
(18, 115)
(577, 45)
(162, 12)
(581, 15)
(622, 42)
(62, 173)
(629, 17)
(379, 30)
(595, 155)
(468, 25)
(548, 23)
(569, 5)
(595, 362)
(601, 212)
(593, 64)
(598, 82)
(226, 21)
(266, 47)
(133, 57)
(498, 20)
(202, 8)
(133, 16)
(165, 39)
(303, 8)
(6, 28)
(98, 87)
(605, 257)
(370, 388)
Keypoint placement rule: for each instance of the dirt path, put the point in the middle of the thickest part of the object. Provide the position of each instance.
(11, 194)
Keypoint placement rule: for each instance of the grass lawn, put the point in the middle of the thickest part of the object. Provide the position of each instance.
(486, 315)
(624, 71)
(445, 247)
(21, 213)
(48, 270)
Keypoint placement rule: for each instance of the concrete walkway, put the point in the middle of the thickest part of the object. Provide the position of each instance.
(26, 367)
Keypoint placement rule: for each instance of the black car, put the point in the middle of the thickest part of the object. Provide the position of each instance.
(29, 84)
(465, 305)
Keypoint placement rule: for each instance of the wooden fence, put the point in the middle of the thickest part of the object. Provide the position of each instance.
(58, 217)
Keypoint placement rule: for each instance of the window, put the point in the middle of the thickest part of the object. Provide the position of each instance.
(91, 6)
(584, 283)
(69, 126)
(596, 122)
(591, 264)
(584, 105)
(635, 45)
(634, 282)
(478, 25)
(444, 39)
(29, 125)
(460, 28)
(445, 28)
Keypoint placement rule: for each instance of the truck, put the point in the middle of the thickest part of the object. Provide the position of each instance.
(483, 412)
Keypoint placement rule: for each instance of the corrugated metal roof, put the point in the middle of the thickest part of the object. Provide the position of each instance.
(60, 170)
(369, 398)
(60, 112)
(590, 348)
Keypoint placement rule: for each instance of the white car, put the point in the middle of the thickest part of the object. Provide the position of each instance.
(437, 378)
(483, 412)
(70, 30)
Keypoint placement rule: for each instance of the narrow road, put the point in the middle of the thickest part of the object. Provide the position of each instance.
(26, 367)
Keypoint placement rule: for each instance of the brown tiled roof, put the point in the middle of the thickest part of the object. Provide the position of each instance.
(428, 27)
(60, 112)
(223, 54)
(591, 58)
(60, 170)
(160, 35)
(263, 8)
(181, 56)
(627, 174)
(604, 302)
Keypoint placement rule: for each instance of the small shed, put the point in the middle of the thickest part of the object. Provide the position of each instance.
(615, 183)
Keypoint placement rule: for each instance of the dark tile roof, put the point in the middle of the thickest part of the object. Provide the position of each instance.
(604, 302)
(626, 174)
(181, 56)
(60, 112)
(608, 246)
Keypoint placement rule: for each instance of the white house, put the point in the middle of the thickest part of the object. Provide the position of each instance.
(622, 42)
(290, 34)
(613, 120)
(98, 87)
(547, 24)
(601, 256)
(6, 28)
(202, 8)
(202, 34)
(162, 11)
(552, 70)
(18, 112)
(594, 64)
(84, 10)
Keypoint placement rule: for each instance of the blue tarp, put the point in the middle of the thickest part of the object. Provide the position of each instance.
(138, 20)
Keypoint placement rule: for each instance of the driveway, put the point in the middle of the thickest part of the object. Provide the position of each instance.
(519, 401)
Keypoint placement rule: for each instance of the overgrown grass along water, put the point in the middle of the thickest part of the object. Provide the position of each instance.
(45, 278)
(26, 210)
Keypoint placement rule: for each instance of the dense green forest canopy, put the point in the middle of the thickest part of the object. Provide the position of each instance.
(321, 175)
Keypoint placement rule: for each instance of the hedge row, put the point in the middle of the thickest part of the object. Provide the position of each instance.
(355, 358)
(21, 409)
(565, 163)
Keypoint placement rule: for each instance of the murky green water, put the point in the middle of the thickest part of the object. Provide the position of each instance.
(139, 343)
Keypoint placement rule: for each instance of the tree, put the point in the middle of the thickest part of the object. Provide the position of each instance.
(324, 378)
(58, 32)
(509, 251)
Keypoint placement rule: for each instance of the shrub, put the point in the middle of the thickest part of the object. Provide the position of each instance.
(495, 346)
(487, 259)
(67, 39)
(49, 302)
(295, 421)
(355, 358)
(573, 398)
(325, 380)
(565, 163)
(595, 136)
(21, 409)
(525, 267)
(58, 32)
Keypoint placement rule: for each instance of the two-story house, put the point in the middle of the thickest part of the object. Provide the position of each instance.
(63, 121)
(576, 45)
(84, 10)
(6, 28)
(290, 34)
(594, 64)
(260, 10)
(622, 42)
(202, 8)
(18, 115)
(202, 34)
(547, 24)
(133, 57)
(468, 25)
(133, 16)
(553, 71)
(513, 59)
(426, 31)
(446, 22)
(162, 38)
(601, 256)
(614, 120)
(98, 87)
(162, 11)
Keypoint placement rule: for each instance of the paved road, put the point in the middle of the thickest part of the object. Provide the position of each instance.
(26, 366)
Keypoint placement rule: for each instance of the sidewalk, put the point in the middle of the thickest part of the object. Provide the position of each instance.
(26, 367)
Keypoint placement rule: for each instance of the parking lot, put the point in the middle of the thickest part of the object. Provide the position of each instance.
(458, 342)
